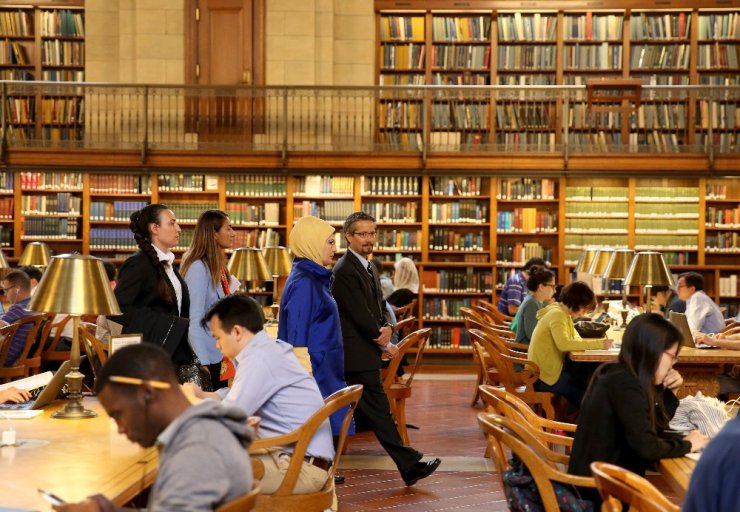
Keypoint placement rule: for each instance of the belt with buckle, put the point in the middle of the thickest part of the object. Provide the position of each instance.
(319, 463)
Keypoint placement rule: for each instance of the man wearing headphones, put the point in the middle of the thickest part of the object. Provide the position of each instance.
(203, 461)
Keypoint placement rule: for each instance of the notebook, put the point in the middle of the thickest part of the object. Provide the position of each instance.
(44, 388)
(680, 321)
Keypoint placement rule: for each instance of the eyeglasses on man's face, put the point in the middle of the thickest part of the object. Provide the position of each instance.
(365, 234)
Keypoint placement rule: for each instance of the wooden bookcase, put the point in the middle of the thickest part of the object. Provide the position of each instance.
(44, 41)
(493, 42)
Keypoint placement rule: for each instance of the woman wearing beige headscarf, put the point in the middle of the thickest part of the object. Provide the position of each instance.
(308, 314)
(405, 282)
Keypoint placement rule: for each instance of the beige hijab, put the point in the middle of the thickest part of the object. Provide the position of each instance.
(308, 236)
(406, 275)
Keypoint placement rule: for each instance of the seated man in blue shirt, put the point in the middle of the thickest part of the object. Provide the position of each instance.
(702, 313)
(269, 383)
(17, 288)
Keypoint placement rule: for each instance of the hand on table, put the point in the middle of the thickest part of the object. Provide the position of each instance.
(608, 343)
(697, 440)
(14, 395)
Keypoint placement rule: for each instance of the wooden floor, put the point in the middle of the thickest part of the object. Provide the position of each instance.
(440, 406)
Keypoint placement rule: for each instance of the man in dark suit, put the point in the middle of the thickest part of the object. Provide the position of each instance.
(356, 288)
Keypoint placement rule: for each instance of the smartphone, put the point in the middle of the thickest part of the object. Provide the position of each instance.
(51, 498)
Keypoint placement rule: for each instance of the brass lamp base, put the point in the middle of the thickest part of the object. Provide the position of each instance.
(74, 408)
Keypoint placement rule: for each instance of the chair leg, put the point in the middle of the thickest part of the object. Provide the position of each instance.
(401, 419)
(476, 392)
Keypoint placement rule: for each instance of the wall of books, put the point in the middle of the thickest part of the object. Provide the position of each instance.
(467, 233)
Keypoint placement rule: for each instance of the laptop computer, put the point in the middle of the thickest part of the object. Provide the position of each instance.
(680, 321)
(44, 388)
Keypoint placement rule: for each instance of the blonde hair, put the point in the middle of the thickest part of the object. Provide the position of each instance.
(406, 275)
(308, 236)
(204, 246)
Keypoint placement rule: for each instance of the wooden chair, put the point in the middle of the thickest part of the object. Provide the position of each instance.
(283, 498)
(399, 390)
(405, 311)
(243, 503)
(51, 351)
(96, 350)
(520, 383)
(514, 436)
(617, 485)
(405, 326)
(492, 310)
(550, 432)
(29, 361)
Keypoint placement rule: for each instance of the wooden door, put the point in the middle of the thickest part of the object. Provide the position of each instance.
(225, 47)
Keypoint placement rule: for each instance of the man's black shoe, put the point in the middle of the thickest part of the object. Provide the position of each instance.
(338, 479)
(420, 470)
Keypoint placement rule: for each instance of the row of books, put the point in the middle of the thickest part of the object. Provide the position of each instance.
(393, 212)
(470, 57)
(728, 286)
(391, 185)
(722, 56)
(656, 209)
(603, 56)
(465, 78)
(58, 228)
(719, 26)
(665, 116)
(256, 186)
(16, 23)
(460, 116)
(330, 211)
(679, 257)
(6, 237)
(724, 142)
(580, 241)
(728, 242)
(186, 183)
(266, 214)
(595, 194)
(63, 75)
(258, 238)
(445, 239)
(114, 210)
(525, 141)
(526, 188)
(36, 180)
(61, 202)
(56, 133)
(667, 26)
(445, 309)
(668, 56)
(402, 56)
(461, 28)
(325, 185)
(519, 252)
(16, 74)
(6, 208)
(466, 280)
(7, 181)
(586, 225)
(407, 141)
(581, 117)
(716, 190)
(186, 211)
(466, 211)
(719, 79)
(526, 27)
(13, 53)
(401, 28)
(62, 110)
(57, 52)
(661, 142)
(665, 225)
(120, 184)
(526, 220)
(398, 239)
(593, 27)
(113, 239)
(20, 110)
(449, 338)
(406, 79)
(649, 242)
(667, 194)
(720, 115)
(518, 116)
(62, 22)
(456, 186)
(400, 114)
(536, 58)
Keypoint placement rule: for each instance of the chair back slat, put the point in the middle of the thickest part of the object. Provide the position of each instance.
(618, 485)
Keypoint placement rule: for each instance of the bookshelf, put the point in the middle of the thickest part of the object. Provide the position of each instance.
(44, 41)
(722, 239)
(544, 44)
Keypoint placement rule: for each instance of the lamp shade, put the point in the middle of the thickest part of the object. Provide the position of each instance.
(248, 264)
(76, 285)
(278, 260)
(36, 254)
(3, 261)
(585, 260)
(648, 267)
(619, 263)
(599, 262)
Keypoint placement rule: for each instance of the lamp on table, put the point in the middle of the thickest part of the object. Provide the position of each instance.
(35, 254)
(648, 269)
(248, 265)
(587, 256)
(597, 266)
(616, 269)
(75, 285)
(280, 264)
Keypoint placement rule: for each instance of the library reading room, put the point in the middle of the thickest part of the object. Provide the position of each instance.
(492, 245)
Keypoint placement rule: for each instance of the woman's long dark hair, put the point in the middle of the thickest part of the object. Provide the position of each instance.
(139, 226)
(647, 337)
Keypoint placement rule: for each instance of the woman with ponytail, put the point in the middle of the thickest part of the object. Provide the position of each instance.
(152, 295)
(204, 270)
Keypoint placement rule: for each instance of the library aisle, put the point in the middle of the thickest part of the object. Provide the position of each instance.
(440, 407)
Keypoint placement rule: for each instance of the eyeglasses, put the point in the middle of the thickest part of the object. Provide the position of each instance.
(365, 234)
(674, 357)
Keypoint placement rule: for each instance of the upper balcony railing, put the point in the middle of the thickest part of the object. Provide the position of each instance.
(423, 119)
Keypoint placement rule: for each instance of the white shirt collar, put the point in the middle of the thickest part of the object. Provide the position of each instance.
(169, 257)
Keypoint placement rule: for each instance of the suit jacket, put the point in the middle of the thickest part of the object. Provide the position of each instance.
(145, 311)
(361, 311)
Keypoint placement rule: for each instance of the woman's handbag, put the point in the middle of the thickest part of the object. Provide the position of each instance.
(195, 373)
